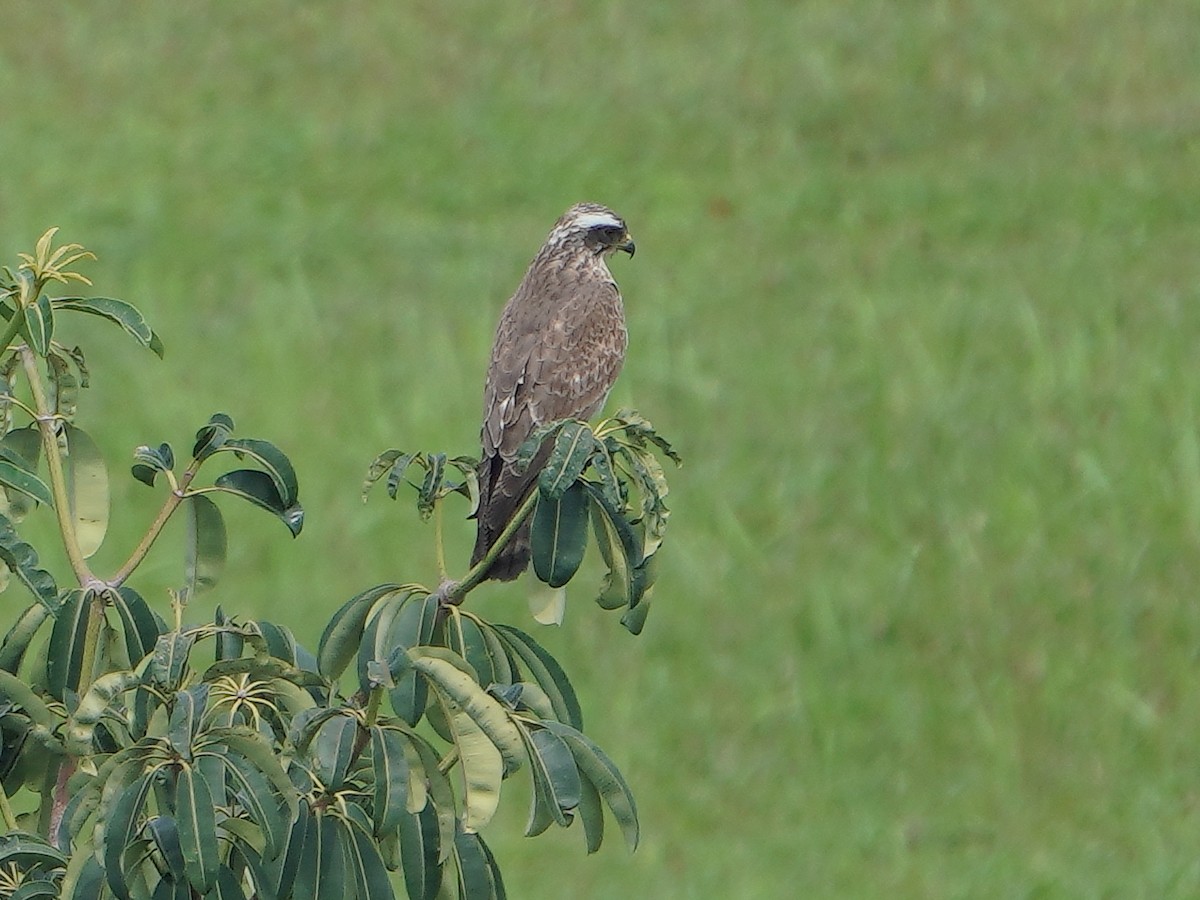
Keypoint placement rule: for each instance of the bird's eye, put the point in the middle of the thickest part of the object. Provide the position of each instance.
(606, 234)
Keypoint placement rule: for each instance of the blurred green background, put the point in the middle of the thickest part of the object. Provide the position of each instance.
(916, 296)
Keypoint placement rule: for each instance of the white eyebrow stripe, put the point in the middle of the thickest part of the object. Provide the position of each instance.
(591, 220)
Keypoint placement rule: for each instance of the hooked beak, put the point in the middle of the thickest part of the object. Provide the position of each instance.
(627, 245)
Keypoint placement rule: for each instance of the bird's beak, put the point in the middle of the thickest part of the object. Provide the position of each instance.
(627, 245)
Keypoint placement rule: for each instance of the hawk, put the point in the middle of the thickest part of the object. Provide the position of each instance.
(558, 349)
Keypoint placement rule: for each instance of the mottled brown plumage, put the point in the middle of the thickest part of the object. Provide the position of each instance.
(558, 349)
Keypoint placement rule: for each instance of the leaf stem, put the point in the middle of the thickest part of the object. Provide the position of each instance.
(54, 463)
(438, 543)
(478, 574)
(177, 495)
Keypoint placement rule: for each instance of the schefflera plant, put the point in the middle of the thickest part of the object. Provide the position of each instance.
(144, 756)
(120, 750)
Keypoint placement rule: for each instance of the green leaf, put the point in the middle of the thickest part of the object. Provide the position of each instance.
(322, 870)
(365, 864)
(546, 672)
(413, 626)
(481, 762)
(456, 682)
(558, 537)
(441, 795)
(124, 314)
(254, 793)
(280, 873)
(64, 387)
(617, 544)
(572, 448)
(345, 632)
(427, 494)
(15, 476)
(606, 478)
(260, 489)
(170, 659)
(420, 854)
(29, 851)
(597, 768)
(184, 722)
(332, 751)
(22, 632)
(149, 461)
(591, 813)
(23, 561)
(468, 640)
(87, 487)
(273, 461)
(196, 818)
(39, 325)
(140, 626)
(67, 641)
(119, 830)
(212, 436)
(529, 449)
(392, 462)
(478, 876)
(164, 832)
(81, 725)
(558, 772)
(255, 748)
(31, 890)
(635, 617)
(205, 544)
(23, 448)
(390, 769)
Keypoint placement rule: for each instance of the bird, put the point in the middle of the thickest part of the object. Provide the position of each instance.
(558, 349)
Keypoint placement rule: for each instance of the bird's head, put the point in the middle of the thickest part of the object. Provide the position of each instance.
(593, 227)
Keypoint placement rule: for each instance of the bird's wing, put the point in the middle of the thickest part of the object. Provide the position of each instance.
(579, 357)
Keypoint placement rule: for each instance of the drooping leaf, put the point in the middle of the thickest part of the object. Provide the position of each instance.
(87, 485)
(81, 724)
(557, 776)
(413, 626)
(119, 830)
(597, 768)
(254, 793)
(468, 640)
(558, 536)
(344, 633)
(22, 632)
(546, 672)
(164, 832)
(259, 488)
(23, 448)
(529, 449)
(457, 682)
(186, 715)
(23, 561)
(572, 449)
(212, 436)
(481, 763)
(478, 875)
(118, 311)
(205, 544)
(28, 852)
(322, 870)
(15, 476)
(591, 813)
(376, 643)
(332, 751)
(276, 465)
(170, 659)
(420, 854)
(67, 640)
(140, 627)
(390, 770)
(196, 818)
(364, 863)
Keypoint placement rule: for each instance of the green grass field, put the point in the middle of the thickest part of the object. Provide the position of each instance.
(916, 295)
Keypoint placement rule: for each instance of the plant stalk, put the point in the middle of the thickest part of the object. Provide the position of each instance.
(178, 495)
(457, 591)
(58, 475)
